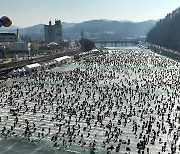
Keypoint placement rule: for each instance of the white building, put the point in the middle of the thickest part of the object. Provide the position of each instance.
(53, 33)
(19, 47)
(8, 37)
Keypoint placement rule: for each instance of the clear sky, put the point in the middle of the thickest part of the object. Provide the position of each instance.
(25, 13)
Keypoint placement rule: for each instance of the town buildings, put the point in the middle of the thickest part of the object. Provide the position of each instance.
(19, 47)
(8, 37)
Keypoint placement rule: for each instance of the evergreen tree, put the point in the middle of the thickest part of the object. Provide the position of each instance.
(167, 31)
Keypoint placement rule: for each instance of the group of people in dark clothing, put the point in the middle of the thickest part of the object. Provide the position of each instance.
(126, 101)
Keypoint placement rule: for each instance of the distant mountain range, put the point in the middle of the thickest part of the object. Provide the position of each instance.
(94, 29)
(102, 29)
(166, 33)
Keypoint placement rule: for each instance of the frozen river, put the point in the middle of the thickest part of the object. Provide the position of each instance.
(125, 101)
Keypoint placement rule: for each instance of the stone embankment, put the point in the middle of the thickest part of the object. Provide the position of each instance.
(166, 52)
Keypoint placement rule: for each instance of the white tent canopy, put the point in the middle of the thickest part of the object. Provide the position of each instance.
(50, 63)
(52, 44)
(62, 58)
(31, 66)
(45, 64)
(94, 50)
(23, 69)
(19, 70)
(53, 61)
(13, 72)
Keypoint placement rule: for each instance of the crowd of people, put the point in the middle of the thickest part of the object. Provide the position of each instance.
(126, 101)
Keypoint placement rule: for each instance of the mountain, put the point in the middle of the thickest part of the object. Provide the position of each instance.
(94, 29)
(103, 29)
(36, 32)
(67, 25)
(167, 31)
(9, 28)
(5, 29)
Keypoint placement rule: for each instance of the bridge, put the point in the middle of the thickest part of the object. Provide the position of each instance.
(116, 42)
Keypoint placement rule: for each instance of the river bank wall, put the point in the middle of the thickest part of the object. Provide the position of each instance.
(6, 67)
(166, 52)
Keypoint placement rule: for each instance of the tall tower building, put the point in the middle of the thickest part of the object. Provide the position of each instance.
(53, 33)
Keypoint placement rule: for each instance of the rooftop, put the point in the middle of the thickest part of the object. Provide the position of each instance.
(7, 34)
